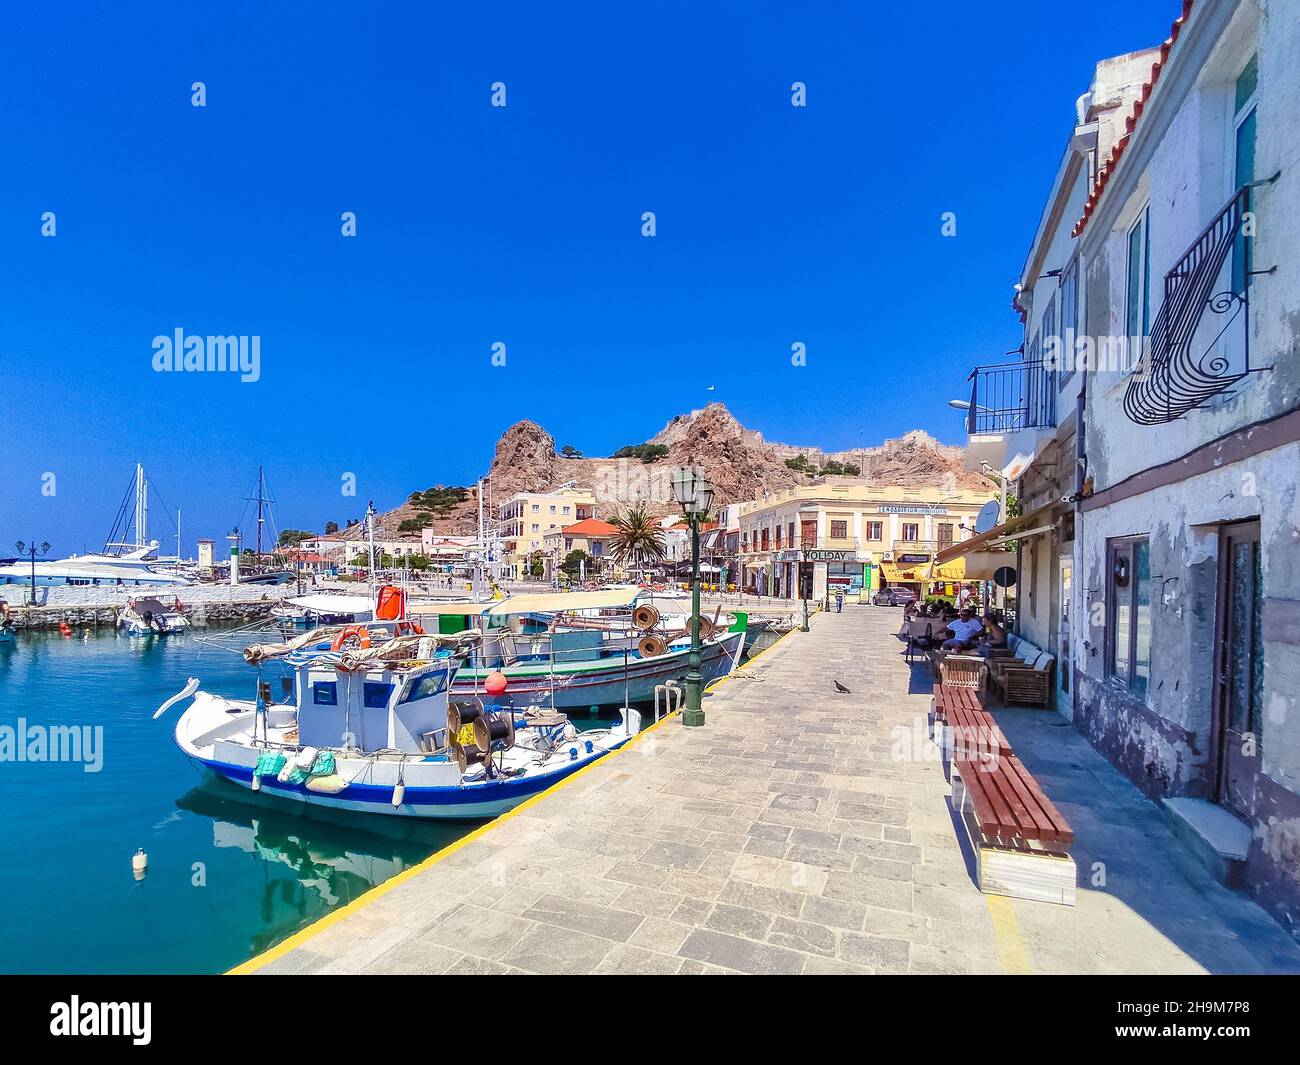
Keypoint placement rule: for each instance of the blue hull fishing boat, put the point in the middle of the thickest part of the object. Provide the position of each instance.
(374, 730)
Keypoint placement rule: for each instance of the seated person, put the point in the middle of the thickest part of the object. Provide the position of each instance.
(995, 636)
(965, 631)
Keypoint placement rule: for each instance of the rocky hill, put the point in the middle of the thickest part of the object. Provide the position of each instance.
(739, 462)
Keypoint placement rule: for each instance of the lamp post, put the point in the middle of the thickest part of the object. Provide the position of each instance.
(31, 552)
(695, 495)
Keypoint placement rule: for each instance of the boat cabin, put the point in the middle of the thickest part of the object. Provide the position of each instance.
(390, 707)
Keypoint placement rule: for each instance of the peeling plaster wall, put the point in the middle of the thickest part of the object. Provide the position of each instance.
(1163, 743)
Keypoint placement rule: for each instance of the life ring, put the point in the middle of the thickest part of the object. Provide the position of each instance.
(359, 631)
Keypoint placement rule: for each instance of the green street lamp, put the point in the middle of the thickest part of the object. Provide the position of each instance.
(32, 551)
(695, 495)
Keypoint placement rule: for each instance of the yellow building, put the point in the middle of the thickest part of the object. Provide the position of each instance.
(527, 517)
(840, 533)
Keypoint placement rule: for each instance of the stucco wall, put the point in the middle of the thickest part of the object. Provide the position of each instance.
(1163, 744)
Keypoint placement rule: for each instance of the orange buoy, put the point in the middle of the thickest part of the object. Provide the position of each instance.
(359, 631)
(496, 683)
(64, 628)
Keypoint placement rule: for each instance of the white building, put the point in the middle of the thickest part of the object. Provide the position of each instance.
(1178, 627)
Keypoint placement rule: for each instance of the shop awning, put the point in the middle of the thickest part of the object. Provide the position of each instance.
(895, 573)
(977, 566)
(1031, 524)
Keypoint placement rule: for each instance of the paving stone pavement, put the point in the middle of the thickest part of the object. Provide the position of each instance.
(800, 831)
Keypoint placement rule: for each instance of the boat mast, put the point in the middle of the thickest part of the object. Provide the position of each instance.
(259, 515)
(370, 529)
(141, 507)
(482, 544)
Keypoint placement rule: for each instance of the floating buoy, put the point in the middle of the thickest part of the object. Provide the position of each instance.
(257, 782)
(399, 795)
(139, 863)
(64, 629)
(496, 683)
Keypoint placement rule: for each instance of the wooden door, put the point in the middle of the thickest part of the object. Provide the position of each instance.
(1239, 662)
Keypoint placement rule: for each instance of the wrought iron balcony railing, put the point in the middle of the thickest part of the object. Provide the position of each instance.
(1190, 358)
(1011, 397)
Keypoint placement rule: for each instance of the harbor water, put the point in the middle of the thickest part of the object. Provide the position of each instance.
(228, 874)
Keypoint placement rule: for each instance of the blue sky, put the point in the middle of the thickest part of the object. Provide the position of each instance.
(521, 225)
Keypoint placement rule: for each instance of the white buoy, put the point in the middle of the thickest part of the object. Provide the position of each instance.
(399, 795)
(139, 863)
(257, 782)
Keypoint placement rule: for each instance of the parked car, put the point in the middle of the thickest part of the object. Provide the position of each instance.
(893, 597)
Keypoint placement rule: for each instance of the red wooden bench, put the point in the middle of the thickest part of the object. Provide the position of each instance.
(1019, 836)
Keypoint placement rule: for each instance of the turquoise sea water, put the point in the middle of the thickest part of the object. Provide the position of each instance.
(228, 876)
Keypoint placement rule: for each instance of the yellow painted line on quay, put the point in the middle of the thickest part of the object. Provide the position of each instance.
(1011, 946)
(332, 918)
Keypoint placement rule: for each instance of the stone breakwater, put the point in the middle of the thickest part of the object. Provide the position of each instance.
(98, 607)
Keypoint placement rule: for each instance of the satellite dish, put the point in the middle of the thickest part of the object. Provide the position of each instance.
(987, 517)
(1005, 577)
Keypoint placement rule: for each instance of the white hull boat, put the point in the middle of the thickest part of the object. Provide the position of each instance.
(374, 731)
(151, 617)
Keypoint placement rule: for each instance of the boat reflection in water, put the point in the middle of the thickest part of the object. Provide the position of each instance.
(309, 865)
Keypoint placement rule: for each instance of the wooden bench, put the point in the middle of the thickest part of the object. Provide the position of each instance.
(963, 727)
(1019, 837)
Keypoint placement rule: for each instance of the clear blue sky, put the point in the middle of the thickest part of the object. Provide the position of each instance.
(521, 225)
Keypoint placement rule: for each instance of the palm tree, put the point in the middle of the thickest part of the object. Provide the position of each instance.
(638, 539)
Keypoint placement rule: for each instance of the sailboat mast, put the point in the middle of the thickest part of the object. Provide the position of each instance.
(259, 515)
(141, 507)
(370, 531)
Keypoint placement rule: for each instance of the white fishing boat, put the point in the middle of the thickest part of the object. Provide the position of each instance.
(374, 730)
(148, 616)
(588, 655)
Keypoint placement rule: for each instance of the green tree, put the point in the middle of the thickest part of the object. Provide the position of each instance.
(331, 527)
(537, 564)
(574, 560)
(292, 536)
(647, 453)
(637, 538)
(799, 464)
(570, 452)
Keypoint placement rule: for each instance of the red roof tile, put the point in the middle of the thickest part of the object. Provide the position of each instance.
(590, 527)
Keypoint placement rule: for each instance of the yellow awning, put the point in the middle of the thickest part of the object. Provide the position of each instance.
(895, 573)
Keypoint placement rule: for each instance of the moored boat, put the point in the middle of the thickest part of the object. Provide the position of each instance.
(148, 616)
(375, 730)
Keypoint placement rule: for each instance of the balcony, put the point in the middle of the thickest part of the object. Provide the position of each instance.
(828, 543)
(1012, 408)
(1195, 356)
(1008, 398)
(919, 547)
